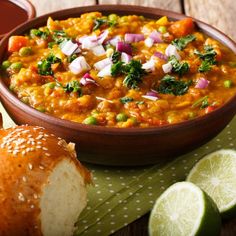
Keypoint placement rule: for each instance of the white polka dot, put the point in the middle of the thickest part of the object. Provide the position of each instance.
(99, 231)
(138, 209)
(98, 192)
(172, 168)
(98, 219)
(85, 227)
(160, 174)
(98, 223)
(107, 203)
(95, 178)
(173, 174)
(112, 223)
(84, 221)
(100, 199)
(123, 184)
(108, 178)
(140, 186)
(195, 154)
(112, 215)
(109, 209)
(125, 224)
(112, 231)
(184, 161)
(219, 146)
(162, 187)
(217, 140)
(150, 177)
(150, 194)
(134, 177)
(111, 191)
(121, 177)
(149, 187)
(96, 211)
(88, 208)
(125, 208)
(131, 193)
(110, 185)
(161, 181)
(106, 171)
(96, 185)
(151, 201)
(137, 201)
(185, 167)
(120, 201)
(207, 147)
(137, 194)
(125, 216)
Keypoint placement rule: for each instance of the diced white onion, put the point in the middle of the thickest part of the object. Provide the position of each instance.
(125, 57)
(149, 65)
(89, 42)
(167, 67)
(150, 97)
(106, 71)
(101, 38)
(149, 42)
(103, 63)
(79, 65)
(171, 50)
(115, 40)
(98, 50)
(68, 48)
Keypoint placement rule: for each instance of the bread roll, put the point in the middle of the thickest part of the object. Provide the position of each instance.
(42, 184)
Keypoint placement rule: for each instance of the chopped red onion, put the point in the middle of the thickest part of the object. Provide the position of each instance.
(153, 98)
(167, 67)
(98, 50)
(149, 42)
(78, 65)
(68, 48)
(124, 47)
(126, 58)
(161, 56)
(87, 79)
(152, 93)
(132, 38)
(106, 71)
(149, 65)
(156, 36)
(103, 63)
(115, 40)
(171, 50)
(202, 83)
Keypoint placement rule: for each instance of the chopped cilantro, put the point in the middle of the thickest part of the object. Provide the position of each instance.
(202, 102)
(71, 58)
(208, 58)
(178, 67)
(39, 33)
(169, 85)
(126, 100)
(115, 57)
(103, 21)
(117, 68)
(181, 43)
(73, 86)
(44, 66)
(59, 36)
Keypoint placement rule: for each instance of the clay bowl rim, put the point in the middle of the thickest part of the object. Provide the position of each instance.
(230, 105)
(25, 5)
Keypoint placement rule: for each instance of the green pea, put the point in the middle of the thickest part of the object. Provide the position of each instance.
(41, 109)
(228, 83)
(133, 120)
(124, 19)
(90, 121)
(6, 64)
(34, 33)
(112, 17)
(16, 66)
(51, 85)
(25, 51)
(121, 117)
(162, 29)
(141, 17)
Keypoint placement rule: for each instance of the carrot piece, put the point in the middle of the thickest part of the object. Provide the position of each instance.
(16, 43)
(182, 27)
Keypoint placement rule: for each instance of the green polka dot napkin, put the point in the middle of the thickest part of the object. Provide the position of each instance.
(122, 195)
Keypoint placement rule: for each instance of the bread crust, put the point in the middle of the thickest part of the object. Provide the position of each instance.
(28, 155)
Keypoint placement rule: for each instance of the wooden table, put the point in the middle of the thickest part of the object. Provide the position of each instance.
(219, 13)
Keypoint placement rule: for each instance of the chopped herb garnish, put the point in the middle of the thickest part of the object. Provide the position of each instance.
(133, 71)
(181, 43)
(126, 100)
(72, 58)
(178, 67)
(45, 66)
(59, 36)
(169, 85)
(102, 21)
(208, 58)
(117, 68)
(73, 86)
(202, 102)
(115, 57)
(39, 33)
(140, 102)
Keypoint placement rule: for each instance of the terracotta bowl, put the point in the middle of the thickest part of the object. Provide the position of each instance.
(24, 5)
(114, 146)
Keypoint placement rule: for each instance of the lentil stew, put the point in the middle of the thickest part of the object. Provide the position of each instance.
(120, 71)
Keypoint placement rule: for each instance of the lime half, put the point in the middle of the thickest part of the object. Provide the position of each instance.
(184, 210)
(216, 175)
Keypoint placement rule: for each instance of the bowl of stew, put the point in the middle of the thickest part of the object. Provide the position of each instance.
(128, 85)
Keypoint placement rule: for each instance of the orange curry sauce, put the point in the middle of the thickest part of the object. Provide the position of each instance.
(120, 71)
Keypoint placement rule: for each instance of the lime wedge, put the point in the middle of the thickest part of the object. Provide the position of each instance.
(216, 175)
(184, 210)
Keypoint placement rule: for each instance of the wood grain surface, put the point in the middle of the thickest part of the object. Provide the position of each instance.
(46, 6)
(173, 5)
(219, 13)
